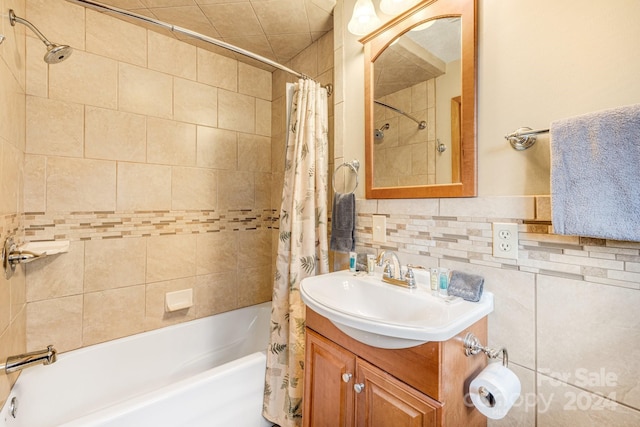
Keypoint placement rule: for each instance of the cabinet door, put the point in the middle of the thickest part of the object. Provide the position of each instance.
(328, 384)
(387, 402)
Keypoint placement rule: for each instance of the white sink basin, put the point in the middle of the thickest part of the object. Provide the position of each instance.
(389, 316)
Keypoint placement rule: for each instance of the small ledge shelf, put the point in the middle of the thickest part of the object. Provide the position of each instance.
(29, 252)
(46, 248)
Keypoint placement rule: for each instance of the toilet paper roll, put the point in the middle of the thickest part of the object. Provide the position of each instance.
(494, 391)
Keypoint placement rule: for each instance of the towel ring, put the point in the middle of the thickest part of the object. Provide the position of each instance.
(354, 165)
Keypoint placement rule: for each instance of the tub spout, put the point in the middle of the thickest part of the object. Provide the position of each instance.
(21, 361)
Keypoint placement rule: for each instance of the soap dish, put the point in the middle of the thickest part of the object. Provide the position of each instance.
(46, 248)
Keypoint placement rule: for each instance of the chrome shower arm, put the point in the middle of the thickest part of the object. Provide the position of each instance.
(13, 19)
(55, 52)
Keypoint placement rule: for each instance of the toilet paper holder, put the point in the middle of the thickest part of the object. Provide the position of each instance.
(473, 346)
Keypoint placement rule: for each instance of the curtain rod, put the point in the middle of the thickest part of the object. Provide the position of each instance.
(100, 7)
(421, 124)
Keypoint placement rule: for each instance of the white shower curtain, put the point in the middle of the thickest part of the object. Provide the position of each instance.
(302, 250)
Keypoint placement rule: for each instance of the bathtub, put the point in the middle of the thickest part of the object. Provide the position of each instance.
(207, 372)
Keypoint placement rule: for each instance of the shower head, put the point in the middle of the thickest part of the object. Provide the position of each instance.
(378, 134)
(55, 52)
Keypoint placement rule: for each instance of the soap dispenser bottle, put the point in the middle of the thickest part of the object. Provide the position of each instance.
(443, 282)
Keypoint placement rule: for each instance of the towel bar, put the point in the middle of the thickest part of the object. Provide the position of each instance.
(523, 138)
(354, 165)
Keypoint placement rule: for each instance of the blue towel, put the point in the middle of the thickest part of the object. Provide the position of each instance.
(595, 174)
(343, 223)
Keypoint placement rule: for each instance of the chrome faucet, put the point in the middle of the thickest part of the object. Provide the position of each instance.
(21, 361)
(392, 273)
(389, 269)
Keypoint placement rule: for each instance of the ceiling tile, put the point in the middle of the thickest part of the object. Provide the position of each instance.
(256, 44)
(202, 2)
(282, 16)
(326, 5)
(233, 19)
(319, 19)
(166, 3)
(286, 46)
(276, 29)
(128, 4)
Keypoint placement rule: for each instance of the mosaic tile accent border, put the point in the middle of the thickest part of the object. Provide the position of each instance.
(469, 240)
(10, 225)
(76, 226)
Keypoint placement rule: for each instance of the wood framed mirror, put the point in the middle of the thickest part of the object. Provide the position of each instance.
(420, 103)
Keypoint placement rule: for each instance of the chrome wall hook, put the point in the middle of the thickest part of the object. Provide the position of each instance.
(473, 346)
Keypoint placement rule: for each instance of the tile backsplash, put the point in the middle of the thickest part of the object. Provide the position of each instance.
(565, 309)
(109, 225)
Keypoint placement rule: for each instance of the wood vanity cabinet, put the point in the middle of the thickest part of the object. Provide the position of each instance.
(348, 383)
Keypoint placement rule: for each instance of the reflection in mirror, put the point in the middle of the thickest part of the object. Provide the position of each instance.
(416, 78)
(420, 68)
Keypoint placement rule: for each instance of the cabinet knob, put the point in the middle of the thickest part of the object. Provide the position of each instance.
(346, 377)
(358, 387)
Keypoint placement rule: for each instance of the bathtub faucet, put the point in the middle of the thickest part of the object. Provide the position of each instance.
(21, 361)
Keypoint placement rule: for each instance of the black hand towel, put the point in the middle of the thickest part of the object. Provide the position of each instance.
(343, 223)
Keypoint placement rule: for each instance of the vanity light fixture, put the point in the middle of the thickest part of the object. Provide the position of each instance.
(364, 18)
(395, 7)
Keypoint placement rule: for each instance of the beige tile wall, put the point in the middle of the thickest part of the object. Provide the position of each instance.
(406, 154)
(566, 309)
(153, 157)
(12, 146)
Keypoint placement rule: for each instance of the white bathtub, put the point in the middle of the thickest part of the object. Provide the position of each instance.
(207, 372)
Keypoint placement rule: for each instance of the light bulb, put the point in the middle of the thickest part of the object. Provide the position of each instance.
(364, 18)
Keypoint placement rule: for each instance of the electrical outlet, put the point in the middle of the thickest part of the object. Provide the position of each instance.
(505, 240)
